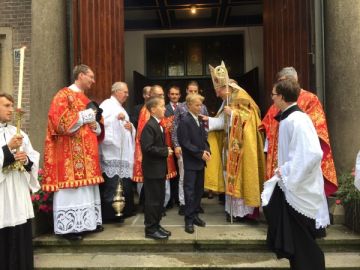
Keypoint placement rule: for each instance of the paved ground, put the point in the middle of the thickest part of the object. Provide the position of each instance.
(219, 245)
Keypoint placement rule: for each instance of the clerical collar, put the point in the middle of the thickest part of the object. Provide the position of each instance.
(75, 88)
(289, 110)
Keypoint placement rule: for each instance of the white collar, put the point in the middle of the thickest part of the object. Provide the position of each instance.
(288, 107)
(156, 119)
(75, 88)
(195, 117)
(115, 100)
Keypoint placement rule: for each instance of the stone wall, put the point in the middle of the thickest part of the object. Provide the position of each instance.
(342, 94)
(15, 23)
(50, 63)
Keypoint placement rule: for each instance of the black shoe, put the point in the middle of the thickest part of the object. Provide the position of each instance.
(170, 205)
(164, 231)
(199, 222)
(205, 194)
(99, 228)
(200, 210)
(189, 228)
(73, 236)
(182, 210)
(157, 235)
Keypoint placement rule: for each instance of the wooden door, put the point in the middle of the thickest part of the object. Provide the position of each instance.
(98, 41)
(140, 81)
(287, 40)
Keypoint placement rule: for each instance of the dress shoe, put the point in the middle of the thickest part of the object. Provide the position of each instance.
(199, 222)
(189, 228)
(164, 231)
(200, 210)
(182, 210)
(157, 235)
(99, 228)
(73, 236)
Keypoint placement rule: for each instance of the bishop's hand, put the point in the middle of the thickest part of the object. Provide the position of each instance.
(227, 110)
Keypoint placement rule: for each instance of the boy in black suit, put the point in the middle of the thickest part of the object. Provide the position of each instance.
(154, 166)
(196, 151)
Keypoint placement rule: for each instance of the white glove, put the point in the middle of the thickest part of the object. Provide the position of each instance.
(87, 116)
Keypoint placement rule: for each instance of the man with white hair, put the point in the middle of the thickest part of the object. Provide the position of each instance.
(117, 152)
(310, 104)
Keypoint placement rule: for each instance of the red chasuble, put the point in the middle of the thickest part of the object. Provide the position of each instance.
(310, 104)
(70, 159)
(166, 124)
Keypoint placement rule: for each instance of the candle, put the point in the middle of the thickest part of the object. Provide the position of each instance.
(21, 76)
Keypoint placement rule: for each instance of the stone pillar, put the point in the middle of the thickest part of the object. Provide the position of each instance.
(49, 63)
(342, 74)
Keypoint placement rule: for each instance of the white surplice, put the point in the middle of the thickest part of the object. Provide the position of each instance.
(15, 201)
(118, 147)
(299, 161)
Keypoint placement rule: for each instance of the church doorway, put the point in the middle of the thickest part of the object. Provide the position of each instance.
(115, 37)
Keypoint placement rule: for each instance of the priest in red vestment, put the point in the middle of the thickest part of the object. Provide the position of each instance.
(310, 104)
(71, 159)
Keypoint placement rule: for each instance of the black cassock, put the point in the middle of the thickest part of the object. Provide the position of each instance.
(292, 235)
(16, 251)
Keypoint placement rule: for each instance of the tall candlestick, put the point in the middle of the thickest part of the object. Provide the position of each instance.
(21, 76)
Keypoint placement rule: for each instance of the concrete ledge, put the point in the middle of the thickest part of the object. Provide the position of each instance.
(197, 260)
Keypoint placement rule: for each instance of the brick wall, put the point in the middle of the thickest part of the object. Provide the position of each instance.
(17, 15)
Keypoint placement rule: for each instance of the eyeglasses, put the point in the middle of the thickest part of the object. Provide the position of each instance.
(274, 94)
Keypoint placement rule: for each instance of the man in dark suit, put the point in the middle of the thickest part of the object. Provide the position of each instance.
(195, 151)
(174, 97)
(154, 166)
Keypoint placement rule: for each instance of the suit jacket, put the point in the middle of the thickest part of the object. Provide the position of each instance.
(169, 110)
(154, 150)
(134, 116)
(193, 141)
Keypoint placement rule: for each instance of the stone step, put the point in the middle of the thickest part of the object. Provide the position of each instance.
(213, 238)
(183, 260)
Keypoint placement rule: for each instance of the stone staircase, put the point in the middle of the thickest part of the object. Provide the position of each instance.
(219, 245)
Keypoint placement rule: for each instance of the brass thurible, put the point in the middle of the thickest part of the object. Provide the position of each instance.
(119, 200)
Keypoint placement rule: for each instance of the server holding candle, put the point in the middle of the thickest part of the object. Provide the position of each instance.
(16, 182)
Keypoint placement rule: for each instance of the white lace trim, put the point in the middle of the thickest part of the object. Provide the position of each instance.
(297, 209)
(79, 219)
(239, 208)
(121, 168)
